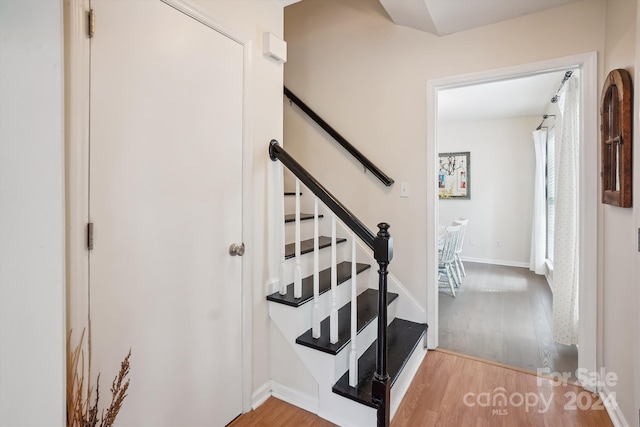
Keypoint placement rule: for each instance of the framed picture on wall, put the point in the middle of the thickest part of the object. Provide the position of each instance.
(454, 180)
(616, 112)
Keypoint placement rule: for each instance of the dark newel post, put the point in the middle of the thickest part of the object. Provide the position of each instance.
(381, 387)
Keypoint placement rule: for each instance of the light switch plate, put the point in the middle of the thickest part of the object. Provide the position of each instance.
(405, 189)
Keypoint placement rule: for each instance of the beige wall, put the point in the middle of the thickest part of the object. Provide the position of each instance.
(502, 172)
(367, 77)
(32, 276)
(619, 244)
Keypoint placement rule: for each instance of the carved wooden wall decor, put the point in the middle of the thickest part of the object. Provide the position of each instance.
(616, 113)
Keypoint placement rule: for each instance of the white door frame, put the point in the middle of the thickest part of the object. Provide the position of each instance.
(77, 87)
(588, 209)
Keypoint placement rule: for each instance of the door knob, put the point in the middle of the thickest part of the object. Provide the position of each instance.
(236, 249)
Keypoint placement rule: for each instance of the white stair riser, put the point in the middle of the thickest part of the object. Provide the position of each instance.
(306, 201)
(306, 261)
(301, 317)
(324, 366)
(306, 230)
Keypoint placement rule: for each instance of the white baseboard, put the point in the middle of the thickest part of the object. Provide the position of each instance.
(261, 395)
(611, 404)
(496, 262)
(284, 393)
(294, 397)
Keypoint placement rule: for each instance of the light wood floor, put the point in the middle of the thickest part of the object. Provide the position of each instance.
(454, 390)
(503, 314)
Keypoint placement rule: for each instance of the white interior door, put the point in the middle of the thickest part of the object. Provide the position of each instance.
(166, 203)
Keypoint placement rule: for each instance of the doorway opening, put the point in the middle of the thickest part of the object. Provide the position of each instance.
(445, 137)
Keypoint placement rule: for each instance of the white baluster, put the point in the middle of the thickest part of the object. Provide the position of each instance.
(297, 273)
(316, 273)
(283, 285)
(353, 358)
(333, 319)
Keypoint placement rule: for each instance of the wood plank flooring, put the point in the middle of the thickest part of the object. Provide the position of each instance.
(455, 390)
(503, 314)
(275, 412)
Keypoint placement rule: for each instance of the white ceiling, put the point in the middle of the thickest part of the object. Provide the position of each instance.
(524, 96)
(442, 17)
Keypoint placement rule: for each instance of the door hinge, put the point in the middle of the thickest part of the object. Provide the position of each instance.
(90, 236)
(92, 23)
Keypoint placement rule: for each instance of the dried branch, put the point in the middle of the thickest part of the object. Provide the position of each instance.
(92, 419)
(118, 393)
(80, 412)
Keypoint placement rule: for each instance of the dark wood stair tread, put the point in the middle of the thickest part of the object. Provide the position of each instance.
(403, 337)
(343, 274)
(303, 217)
(306, 246)
(367, 312)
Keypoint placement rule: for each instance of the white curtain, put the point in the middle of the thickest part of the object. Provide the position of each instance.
(539, 222)
(566, 256)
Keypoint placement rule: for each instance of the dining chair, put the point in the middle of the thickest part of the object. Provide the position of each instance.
(462, 222)
(446, 257)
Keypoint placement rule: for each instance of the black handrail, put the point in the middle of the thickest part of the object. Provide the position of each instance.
(276, 152)
(368, 164)
(382, 246)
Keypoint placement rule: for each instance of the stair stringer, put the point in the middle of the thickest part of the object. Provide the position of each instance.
(291, 380)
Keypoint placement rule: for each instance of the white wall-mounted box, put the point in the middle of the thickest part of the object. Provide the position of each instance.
(274, 47)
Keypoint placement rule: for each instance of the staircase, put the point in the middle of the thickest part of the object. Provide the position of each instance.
(339, 370)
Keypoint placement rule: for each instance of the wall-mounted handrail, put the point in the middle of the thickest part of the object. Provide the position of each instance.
(368, 164)
(382, 246)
